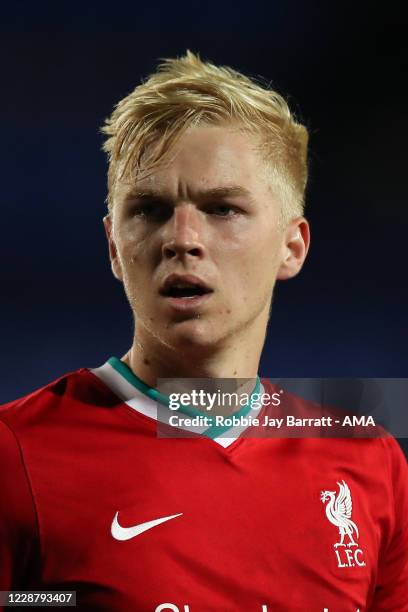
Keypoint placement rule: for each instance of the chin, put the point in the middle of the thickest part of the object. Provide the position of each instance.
(191, 335)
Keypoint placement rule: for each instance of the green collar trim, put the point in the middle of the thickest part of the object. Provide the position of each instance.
(134, 380)
(213, 431)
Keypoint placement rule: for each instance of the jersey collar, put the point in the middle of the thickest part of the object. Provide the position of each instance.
(150, 402)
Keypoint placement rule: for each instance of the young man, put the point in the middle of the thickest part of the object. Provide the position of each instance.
(206, 192)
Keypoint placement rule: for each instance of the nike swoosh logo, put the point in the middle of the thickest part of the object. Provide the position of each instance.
(127, 533)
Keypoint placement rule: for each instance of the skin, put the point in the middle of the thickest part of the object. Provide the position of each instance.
(234, 242)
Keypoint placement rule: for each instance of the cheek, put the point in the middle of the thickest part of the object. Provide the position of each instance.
(135, 251)
(250, 261)
(135, 273)
(131, 246)
(255, 278)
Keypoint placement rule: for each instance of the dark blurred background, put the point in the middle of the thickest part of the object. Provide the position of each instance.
(343, 68)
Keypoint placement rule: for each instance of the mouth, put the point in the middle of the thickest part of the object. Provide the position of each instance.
(185, 292)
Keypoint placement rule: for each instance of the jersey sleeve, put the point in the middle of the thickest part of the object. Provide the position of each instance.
(391, 594)
(18, 521)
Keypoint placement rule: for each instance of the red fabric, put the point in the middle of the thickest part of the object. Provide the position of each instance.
(253, 529)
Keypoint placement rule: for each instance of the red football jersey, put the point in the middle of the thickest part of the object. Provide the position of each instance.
(93, 501)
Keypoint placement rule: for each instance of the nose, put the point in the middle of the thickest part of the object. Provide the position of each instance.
(183, 234)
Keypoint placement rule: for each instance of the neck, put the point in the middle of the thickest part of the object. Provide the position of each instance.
(150, 359)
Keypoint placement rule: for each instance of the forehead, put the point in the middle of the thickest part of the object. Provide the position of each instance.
(207, 157)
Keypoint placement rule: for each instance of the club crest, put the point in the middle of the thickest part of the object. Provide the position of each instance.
(339, 507)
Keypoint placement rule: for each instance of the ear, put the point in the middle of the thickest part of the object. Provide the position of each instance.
(113, 254)
(295, 247)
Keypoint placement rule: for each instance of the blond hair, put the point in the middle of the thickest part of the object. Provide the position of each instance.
(186, 92)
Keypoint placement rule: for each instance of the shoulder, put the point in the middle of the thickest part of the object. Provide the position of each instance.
(397, 468)
(70, 391)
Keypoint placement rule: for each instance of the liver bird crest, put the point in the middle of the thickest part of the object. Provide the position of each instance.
(338, 511)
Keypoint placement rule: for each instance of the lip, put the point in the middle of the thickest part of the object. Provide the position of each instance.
(185, 304)
(173, 279)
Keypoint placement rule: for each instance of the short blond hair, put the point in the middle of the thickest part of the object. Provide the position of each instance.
(185, 92)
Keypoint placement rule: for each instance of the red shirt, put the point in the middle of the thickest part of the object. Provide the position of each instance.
(244, 525)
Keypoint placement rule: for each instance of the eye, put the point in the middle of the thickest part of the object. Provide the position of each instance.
(153, 211)
(222, 210)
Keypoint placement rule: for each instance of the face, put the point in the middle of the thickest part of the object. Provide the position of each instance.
(198, 245)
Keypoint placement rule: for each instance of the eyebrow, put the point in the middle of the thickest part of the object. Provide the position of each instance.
(228, 191)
